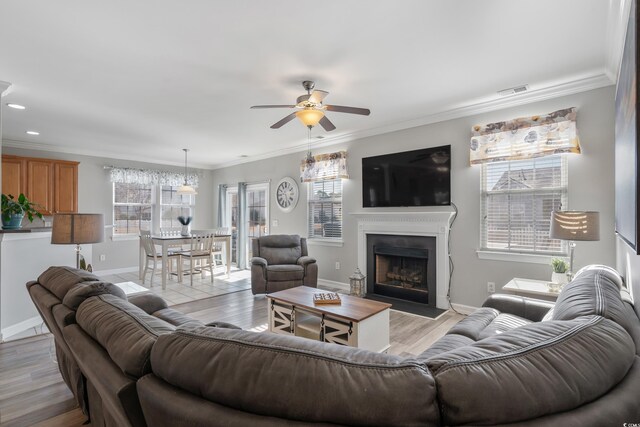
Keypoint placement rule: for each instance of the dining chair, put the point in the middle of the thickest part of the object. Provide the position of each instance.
(219, 248)
(152, 255)
(201, 251)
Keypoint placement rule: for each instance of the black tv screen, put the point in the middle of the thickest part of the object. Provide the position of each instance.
(411, 178)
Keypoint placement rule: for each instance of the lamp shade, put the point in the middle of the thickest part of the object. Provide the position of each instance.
(575, 225)
(310, 116)
(77, 228)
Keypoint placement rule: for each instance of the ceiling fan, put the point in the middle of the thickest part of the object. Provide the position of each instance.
(311, 109)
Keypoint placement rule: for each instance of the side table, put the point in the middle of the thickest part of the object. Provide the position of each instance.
(531, 288)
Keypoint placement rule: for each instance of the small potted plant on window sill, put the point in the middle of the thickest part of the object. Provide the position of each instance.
(559, 275)
(14, 210)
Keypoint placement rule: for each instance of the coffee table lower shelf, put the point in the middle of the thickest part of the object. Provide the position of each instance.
(371, 333)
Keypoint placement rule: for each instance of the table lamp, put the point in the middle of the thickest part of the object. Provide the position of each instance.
(76, 229)
(572, 226)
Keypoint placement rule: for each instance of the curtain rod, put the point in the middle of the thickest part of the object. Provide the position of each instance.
(264, 181)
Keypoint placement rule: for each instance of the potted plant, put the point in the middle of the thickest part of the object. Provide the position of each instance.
(14, 210)
(185, 221)
(559, 275)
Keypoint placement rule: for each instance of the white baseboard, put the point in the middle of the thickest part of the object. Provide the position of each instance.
(464, 309)
(331, 283)
(20, 327)
(116, 271)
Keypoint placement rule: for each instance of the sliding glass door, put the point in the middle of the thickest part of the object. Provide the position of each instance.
(258, 206)
(257, 217)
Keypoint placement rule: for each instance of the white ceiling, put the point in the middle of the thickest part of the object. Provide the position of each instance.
(143, 79)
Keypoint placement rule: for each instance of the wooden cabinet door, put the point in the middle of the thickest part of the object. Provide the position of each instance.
(40, 184)
(66, 187)
(13, 176)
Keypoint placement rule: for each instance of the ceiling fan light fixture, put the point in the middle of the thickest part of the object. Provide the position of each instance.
(310, 116)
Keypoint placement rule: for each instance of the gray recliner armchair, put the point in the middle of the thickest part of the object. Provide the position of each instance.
(281, 262)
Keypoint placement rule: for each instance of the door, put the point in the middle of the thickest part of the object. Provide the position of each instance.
(40, 184)
(232, 215)
(66, 187)
(258, 213)
(13, 176)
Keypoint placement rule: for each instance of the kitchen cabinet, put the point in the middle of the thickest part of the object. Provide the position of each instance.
(14, 176)
(52, 184)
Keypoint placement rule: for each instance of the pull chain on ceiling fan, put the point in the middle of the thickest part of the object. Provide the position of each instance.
(311, 110)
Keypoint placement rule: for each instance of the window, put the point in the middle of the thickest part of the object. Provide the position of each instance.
(517, 198)
(131, 208)
(173, 205)
(325, 209)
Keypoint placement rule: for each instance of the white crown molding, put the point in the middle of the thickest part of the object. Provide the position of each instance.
(581, 84)
(4, 88)
(105, 154)
(616, 30)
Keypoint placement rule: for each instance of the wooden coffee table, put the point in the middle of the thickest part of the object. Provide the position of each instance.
(356, 322)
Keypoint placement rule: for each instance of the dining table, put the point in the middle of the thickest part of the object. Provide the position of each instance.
(165, 241)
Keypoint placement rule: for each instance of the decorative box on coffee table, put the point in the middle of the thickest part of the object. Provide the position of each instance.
(355, 322)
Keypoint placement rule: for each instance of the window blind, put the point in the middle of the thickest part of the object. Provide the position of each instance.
(325, 209)
(517, 198)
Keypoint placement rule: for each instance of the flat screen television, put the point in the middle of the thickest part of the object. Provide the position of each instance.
(411, 178)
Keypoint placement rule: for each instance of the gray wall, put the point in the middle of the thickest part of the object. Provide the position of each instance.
(95, 195)
(591, 187)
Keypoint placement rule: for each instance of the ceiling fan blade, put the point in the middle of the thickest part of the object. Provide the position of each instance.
(326, 124)
(283, 121)
(350, 110)
(318, 95)
(273, 106)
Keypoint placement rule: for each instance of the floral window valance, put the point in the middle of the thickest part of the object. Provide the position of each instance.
(324, 166)
(150, 177)
(525, 138)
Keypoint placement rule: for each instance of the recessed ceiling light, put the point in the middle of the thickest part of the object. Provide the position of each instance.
(32, 132)
(243, 156)
(16, 106)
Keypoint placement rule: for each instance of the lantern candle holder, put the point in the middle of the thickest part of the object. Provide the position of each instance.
(357, 284)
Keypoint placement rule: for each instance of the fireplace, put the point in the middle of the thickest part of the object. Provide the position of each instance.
(402, 267)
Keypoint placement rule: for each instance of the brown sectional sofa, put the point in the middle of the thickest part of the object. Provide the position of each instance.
(515, 361)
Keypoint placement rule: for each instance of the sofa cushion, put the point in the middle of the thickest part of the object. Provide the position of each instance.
(278, 273)
(59, 280)
(502, 323)
(76, 295)
(296, 378)
(472, 325)
(280, 248)
(175, 317)
(446, 343)
(125, 331)
(596, 290)
(534, 370)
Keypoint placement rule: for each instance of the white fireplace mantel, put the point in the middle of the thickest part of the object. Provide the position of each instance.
(434, 224)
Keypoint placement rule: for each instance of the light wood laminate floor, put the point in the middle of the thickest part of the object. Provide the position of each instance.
(32, 391)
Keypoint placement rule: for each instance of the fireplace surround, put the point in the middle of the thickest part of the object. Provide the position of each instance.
(434, 224)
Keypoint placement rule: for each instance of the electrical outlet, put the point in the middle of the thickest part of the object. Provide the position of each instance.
(274, 223)
(491, 287)
(48, 223)
(337, 265)
(103, 257)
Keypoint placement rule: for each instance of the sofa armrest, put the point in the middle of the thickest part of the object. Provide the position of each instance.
(304, 260)
(256, 260)
(223, 325)
(528, 308)
(148, 302)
